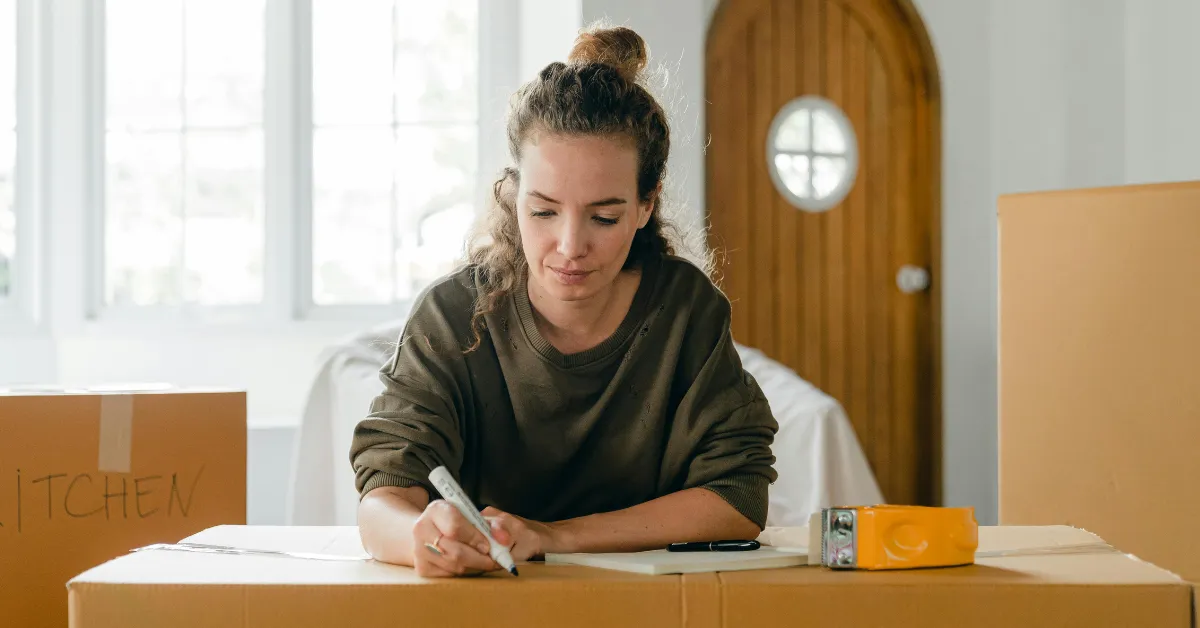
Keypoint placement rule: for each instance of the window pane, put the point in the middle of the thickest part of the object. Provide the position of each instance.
(223, 218)
(435, 187)
(828, 173)
(224, 72)
(352, 61)
(436, 66)
(793, 134)
(143, 219)
(352, 226)
(409, 70)
(793, 170)
(144, 81)
(184, 220)
(8, 218)
(827, 134)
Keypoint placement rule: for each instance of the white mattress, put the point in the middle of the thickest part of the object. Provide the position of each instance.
(818, 457)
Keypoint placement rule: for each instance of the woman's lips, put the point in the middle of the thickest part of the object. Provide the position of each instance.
(571, 277)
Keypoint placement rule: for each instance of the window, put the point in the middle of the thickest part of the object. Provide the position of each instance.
(184, 188)
(318, 152)
(812, 153)
(395, 139)
(8, 147)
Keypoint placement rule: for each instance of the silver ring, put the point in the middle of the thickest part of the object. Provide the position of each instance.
(433, 547)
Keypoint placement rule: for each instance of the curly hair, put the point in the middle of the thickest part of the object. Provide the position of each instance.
(597, 92)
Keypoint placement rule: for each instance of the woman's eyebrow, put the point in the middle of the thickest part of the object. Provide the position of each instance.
(536, 194)
(615, 200)
(608, 201)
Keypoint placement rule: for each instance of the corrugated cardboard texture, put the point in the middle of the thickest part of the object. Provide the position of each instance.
(60, 514)
(166, 588)
(1100, 366)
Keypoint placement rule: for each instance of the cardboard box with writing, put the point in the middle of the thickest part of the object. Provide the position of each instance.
(1099, 377)
(85, 477)
(1089, 585)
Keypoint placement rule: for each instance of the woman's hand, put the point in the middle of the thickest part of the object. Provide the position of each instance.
(525, 538)
(446, 544)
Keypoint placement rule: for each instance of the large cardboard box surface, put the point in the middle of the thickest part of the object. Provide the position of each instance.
(1100, 366)
(86, 477)
(1096, 586)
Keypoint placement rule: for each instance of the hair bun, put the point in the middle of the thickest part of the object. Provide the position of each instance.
(619, 47)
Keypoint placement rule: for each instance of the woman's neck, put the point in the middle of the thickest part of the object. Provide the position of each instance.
(574, 326)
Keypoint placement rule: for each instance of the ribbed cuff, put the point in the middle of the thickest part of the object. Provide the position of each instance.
(381, 478)
(747, 493)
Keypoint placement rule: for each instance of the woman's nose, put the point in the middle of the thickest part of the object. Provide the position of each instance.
(572, 243)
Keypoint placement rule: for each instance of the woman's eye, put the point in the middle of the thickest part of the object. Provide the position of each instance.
(605, 221)
(541, 213)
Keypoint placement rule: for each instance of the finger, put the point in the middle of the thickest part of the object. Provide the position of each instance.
(429, 569)
(451, 524)
(496, 519)
(432, 557)
(427, 556)
(437, 565)
(500, 531)
(460, 559)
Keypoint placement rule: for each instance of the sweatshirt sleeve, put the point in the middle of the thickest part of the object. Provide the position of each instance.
(414, 424)
(725, 418)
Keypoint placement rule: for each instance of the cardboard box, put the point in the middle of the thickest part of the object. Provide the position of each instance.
(85, 477)
(1096, 586)
(1100, 366)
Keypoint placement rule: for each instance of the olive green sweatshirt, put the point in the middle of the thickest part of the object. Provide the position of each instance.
(660, 406)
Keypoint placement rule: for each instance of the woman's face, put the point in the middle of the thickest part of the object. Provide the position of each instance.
(577, 209)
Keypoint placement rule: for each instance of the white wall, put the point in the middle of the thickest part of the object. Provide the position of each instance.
(548, 29)
(1037, 94)
(26, 359)
(273, 366)
(1162, 73)
(968, 253)
(674, 31)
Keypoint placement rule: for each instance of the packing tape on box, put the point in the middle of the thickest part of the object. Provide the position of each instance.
(116, 433)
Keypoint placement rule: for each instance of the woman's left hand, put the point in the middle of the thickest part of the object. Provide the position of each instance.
(525, 538)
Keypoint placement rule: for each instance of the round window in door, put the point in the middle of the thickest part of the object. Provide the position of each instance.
(812, 153)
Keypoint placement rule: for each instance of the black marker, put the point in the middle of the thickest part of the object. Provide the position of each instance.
(714, 546)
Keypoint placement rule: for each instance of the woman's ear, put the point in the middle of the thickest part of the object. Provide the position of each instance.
(647, 209)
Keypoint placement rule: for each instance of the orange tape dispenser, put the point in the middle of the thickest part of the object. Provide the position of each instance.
(893, 537)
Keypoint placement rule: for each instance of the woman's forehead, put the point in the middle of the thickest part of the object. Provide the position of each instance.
(585, 160)
(608, 148)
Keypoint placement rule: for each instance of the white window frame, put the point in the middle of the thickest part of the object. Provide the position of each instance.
(287, 132)
(20, 313)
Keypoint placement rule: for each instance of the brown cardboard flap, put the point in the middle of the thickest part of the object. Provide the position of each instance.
(1017, 538)
(1099, 394)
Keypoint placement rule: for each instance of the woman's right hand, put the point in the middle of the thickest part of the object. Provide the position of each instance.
(446, 544)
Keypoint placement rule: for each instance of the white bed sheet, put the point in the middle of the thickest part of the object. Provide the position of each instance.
(818, 457)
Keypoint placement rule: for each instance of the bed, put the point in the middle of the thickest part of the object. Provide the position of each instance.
(818, 457)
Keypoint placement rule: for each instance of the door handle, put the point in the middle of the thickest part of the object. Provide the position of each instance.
(911, 279)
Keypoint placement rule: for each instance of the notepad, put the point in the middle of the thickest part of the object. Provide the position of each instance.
(660, 562)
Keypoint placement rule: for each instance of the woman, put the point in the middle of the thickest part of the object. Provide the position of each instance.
(576, 376)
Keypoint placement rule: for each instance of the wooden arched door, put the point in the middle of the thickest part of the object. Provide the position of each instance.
(818, 291)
